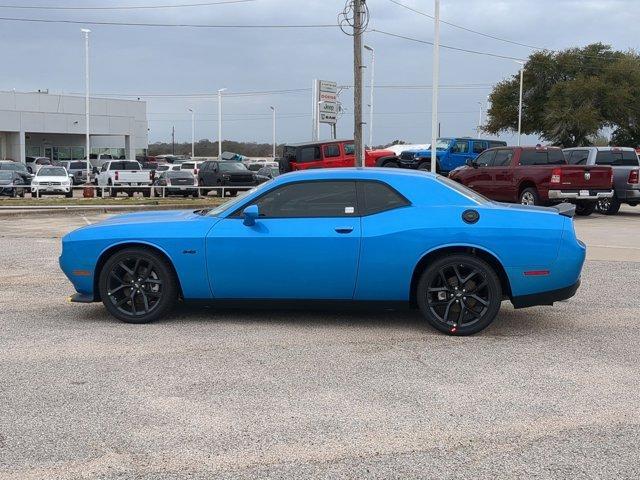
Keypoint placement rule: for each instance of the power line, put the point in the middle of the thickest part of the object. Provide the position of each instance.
(426, 42)
(181, 25)
(124, 7)
(468, 29)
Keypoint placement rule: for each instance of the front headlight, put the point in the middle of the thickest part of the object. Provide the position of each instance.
(34, 182)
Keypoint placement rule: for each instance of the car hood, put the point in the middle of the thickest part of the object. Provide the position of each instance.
(7, 181)
(47, 178)
(156, 216)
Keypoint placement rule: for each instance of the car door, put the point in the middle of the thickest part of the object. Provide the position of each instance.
(331, 156)
(503, 186)
(305, 244)
(458, 155)
(479, 179)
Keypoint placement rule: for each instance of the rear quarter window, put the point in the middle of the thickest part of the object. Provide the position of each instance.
(376, 197)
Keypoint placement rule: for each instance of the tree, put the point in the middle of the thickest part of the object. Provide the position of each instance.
(570, 96)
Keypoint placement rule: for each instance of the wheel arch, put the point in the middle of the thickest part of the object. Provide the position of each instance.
(442, 251)
(390, 158)
(115, 248)
(526, 183)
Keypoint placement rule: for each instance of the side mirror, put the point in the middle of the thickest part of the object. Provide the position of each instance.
(251, 214)
(470, 162)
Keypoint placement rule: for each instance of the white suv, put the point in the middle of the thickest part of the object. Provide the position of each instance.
(51, 180)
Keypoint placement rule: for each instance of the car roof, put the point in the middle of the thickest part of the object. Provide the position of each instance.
(318, 142)
(603, 149)
(353, 173)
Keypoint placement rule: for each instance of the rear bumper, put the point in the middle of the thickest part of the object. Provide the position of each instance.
(629, 194)
(81, 298)
(575, 195)
(545, 298)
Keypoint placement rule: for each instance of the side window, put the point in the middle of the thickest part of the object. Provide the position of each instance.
(625, 158)
(503, 158)
(556, 157)
(485, 159)
(479, 146)
(309, 154)
(534, 157)
(105, 166)
(331, 151)
(349, 149)
(604, 158)
(379, 197)
(461, 146)
(310, 199)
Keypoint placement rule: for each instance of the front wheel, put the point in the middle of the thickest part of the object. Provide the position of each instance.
(584, 209)
(459, 294)
(390, 164)
(137, 285)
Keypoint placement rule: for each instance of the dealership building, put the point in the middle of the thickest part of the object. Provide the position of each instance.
(39, 124)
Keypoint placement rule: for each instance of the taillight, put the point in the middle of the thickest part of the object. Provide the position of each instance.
(117, 175)
(633, 176)
(556, 175)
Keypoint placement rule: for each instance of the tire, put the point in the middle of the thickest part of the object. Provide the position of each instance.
(472, 290)
(146, 193)
(144, 301)
(585, 209)
(195, 194)
(608, 206)
(69, 194)
(424, 166)
(529, 196)
(390, 164)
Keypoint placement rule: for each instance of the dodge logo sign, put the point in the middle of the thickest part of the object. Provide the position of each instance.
(587, 176)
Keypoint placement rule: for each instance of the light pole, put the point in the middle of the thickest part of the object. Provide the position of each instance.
(193, 132)
(520, 102)
(479, 118)
(220, 122)
(273, 109)
(318, 120)
(435, 83)
(373, 64)
(86, 32)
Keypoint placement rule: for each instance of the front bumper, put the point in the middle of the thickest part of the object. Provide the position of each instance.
(42, 189)
(545, 298)
(576, 194)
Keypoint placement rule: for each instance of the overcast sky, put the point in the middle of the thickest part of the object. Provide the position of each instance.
(147, 60)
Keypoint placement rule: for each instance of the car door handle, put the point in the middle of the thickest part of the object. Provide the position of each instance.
(344, 229)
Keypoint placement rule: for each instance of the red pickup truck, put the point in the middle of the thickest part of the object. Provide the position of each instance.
(536, 176)
(327, 154)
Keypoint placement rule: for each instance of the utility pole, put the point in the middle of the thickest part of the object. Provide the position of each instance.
(220, 122)
(193, 133)
(373, 65)
(520, 102)
(435, 84)
(86, 32)
(357, 82)
(173, 140)
(273, 109)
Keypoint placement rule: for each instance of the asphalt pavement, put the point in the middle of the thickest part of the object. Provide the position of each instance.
(545, 392)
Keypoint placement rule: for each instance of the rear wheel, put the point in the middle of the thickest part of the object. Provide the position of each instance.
(584, 209)
(390, 164)
(146, 193)
(137, 285)
(529, 196)
(608, 206)
(459, 294)
(69, 194)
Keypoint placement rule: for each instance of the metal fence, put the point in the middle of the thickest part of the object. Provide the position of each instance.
(149, 191)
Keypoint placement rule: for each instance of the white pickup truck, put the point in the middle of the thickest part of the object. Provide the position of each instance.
(124, 176)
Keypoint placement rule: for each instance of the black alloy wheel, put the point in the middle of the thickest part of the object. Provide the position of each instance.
(459, 294)
(584, 209)
(137, 285)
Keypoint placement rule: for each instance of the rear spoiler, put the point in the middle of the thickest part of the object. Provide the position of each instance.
(566, 209)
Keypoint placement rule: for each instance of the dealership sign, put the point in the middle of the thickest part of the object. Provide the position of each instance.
(327, 101)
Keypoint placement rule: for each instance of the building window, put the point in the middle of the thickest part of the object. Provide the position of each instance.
(77, 153)
(33, 151)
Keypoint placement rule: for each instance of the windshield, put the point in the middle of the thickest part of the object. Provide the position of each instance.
(5, 175)
(443, 143)
(467, 192)
(52, 172)
(232, 167)
(17, 167)
(162, 168)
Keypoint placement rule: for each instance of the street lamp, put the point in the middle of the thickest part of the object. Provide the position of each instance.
(479, 118)
(435, 82)
(86, 32)
(520, 103)
(220, 122)
(373, 63)
(273, 109)
(193, 132)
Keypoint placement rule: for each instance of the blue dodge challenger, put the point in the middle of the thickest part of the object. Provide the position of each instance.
(335, 235)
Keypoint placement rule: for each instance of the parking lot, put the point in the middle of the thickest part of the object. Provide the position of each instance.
(545, 392)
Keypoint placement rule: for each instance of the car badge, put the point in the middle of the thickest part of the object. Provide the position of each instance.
(587, 176)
